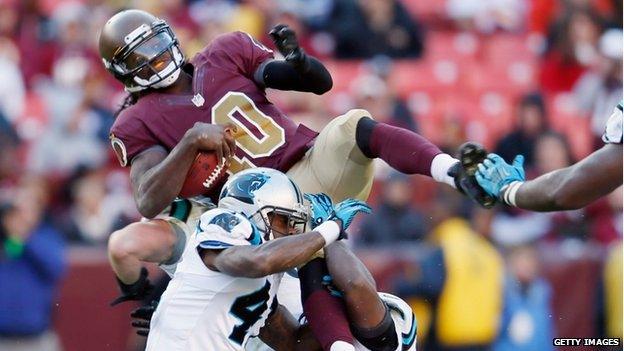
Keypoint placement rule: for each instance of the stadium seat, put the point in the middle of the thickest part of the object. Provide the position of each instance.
(451, 45)
(513, 77)
(566, 118)
(433, 76)
(506, 47)
(430, 12)
(344, 72)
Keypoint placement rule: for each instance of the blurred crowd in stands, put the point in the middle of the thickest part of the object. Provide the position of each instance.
(536, 77)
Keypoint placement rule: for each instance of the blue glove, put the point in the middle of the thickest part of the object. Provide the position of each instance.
(346, 211)
(494, 173)
(321, 209)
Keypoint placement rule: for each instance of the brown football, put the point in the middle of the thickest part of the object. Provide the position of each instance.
(205, 173)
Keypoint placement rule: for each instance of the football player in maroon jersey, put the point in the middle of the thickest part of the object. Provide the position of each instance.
(216, 101)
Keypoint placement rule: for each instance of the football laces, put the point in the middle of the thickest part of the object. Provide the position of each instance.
(209, 182)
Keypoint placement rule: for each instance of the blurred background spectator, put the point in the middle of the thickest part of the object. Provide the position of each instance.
(527, 313)
(462, 279)
(365, 28)
(536, 77)
(32, 262)
(611, 306)
(395, 219)
(531, 122)
(602, 85)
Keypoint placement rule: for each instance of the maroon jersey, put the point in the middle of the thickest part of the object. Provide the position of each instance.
(224, 91)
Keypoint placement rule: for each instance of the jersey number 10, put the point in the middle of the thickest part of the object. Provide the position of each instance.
(273, 135)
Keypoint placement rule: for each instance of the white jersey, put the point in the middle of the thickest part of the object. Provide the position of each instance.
(207, 310)
(289, 296)
(613, 130)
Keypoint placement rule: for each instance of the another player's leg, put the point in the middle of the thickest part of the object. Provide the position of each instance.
(160, 240)
(150, 241)
(324, 311)
(371, 322)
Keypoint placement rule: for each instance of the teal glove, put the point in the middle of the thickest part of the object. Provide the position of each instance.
(348, 209)
(321, 208)
(494, 173)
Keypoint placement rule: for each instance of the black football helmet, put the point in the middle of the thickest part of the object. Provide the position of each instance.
(140, 50)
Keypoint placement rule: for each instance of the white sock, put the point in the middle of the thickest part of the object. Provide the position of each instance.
(440, 166)
(341, 346)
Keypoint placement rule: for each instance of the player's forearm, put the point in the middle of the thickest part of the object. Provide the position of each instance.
(541, 194)
(576, 186)
(556, 191)
(160, 185)
(275, 256)
(346, 269)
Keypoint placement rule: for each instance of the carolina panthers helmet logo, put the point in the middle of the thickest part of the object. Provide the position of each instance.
(226, 221)
(244, 187)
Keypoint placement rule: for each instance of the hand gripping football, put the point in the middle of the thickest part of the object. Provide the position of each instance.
(205, 172)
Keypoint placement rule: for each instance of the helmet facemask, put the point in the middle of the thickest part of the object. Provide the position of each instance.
(265, 195)
(151, 58)
(266, 217)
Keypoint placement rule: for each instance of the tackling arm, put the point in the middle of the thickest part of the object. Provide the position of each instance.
(576, 186)
(278, 255)
(282, 332)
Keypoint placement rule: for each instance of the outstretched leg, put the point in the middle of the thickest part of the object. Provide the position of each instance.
(404, 150)
(150, 241)
(341, 162)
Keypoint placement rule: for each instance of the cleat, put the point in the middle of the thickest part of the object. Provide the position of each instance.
(470, 155)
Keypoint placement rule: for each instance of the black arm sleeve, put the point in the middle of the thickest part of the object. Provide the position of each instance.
(284, 76)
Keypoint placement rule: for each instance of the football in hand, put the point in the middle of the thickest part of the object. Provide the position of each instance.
(205, 172)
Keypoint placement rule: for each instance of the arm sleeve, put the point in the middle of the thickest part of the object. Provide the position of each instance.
(284, 76)
(220, 229)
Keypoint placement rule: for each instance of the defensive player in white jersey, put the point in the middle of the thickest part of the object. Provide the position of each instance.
(224, 288)
(564, 189)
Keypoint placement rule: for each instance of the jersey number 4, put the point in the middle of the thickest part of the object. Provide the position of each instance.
(249, 308)
(235, 105)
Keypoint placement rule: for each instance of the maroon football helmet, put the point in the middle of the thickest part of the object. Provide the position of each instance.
(140, 50)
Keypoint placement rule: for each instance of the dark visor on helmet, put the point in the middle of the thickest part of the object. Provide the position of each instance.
(147, 51)
(131, 59)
